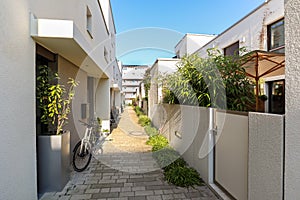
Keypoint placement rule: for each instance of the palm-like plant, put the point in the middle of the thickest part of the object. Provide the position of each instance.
(54, 99)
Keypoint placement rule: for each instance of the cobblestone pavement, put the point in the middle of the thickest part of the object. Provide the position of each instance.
(125, 170)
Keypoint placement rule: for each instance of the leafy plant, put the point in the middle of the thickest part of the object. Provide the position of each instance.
(183, 176)
(168, 157)
(147, 82)
(175, 168)
(144, 120)
(158, 142)
(216, 81)
(263, 97)
(99, 124)
(138, 111)
(54, 99)
(151, 131)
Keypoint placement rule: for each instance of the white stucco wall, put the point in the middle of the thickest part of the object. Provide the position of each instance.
(251, 32)
(162, 66)
(103, 102)
(266, 140)
(77, 12)
(292, 136)
(191, 42)
(17, 119)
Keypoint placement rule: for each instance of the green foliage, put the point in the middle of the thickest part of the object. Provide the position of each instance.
(138, 111)
(263, 97)
(216, 81)
(175, 168)
(54, 99)
(147, 81)
(183, 176)
(151, 131)
(168, 157)
(158, 142)
(144, 120)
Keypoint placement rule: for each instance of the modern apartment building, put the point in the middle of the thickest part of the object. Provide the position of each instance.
(132, 77)
(76, 39)
(263, 30)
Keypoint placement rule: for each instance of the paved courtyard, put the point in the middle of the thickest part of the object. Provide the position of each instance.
(125, 170)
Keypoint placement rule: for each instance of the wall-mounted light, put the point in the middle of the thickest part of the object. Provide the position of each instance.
(243, 40)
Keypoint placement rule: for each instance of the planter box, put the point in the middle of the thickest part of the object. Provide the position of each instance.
(53, 162)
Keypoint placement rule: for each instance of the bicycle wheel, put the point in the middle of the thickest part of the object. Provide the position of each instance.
(81, 160)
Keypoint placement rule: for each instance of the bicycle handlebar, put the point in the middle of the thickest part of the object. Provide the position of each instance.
(92, 124)
(85, 124)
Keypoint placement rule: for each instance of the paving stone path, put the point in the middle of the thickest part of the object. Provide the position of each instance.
(125, 170)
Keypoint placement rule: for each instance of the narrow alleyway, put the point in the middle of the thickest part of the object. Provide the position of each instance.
(125, 170)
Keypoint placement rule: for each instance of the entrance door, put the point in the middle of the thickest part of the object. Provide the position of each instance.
(277, 97)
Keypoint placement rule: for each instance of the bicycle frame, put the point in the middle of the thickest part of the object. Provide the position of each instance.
(86, 139)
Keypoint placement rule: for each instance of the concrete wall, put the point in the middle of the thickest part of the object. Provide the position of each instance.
(292, 136)
(231, 153)
(186, 128)
(266, 142)
(251, 31)
(17, 119)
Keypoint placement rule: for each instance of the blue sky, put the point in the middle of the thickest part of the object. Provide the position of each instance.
(170, 20)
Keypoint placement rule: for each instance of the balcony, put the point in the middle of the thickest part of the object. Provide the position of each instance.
(64, 38)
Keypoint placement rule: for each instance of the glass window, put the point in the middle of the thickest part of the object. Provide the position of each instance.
(276, 36)
(89, 21)
(232, 50)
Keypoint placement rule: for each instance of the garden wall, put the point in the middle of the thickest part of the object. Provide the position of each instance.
(186, 128)
(248, 158)
(266, 152)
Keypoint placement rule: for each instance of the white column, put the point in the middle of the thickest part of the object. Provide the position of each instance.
(103, 102)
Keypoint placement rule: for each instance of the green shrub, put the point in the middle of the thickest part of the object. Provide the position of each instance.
(158, 140)
(138, 110)
(168, 157)
(151, 131)
(183, 176)
(144, 120)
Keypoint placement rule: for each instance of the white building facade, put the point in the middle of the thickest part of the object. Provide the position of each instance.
(131, 79)
(262, 29)
(161, 67)
(191, 43)
(77, 38)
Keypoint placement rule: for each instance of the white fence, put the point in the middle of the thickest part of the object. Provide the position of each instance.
(247, 160)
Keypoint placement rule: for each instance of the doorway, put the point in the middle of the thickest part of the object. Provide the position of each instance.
(277, 97)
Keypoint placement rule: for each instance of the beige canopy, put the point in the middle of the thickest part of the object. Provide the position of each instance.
(260, 64)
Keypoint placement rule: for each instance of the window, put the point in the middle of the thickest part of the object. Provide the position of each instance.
(89, 21)
(232, 50)
(276, 36)
(105, 53)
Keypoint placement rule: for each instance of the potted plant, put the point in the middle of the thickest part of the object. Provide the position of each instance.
(54, 101)
(261, 102)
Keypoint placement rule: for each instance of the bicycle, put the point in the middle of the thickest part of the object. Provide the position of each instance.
(90, 144)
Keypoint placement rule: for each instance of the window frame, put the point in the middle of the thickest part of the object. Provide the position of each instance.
(269, 32)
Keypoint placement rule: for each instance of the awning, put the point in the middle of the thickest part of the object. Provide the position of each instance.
(261, 64)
